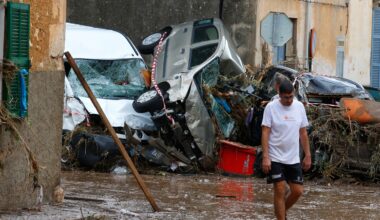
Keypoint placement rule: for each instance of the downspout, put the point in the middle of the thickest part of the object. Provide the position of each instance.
(2, 25)
(306, 38)
(221, 9)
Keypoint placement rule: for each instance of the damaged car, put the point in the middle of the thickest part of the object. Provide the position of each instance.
(311, 88)
(189, 118)
(112, 67)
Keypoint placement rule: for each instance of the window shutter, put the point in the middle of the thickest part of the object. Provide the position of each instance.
(375, 54)
(17, 30)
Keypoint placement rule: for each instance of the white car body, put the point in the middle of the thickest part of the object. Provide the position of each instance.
(89, 43)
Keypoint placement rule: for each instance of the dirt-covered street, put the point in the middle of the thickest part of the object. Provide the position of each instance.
(107, 196)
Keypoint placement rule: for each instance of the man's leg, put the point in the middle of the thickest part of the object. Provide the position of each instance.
(279, 199)
(296, 190)
(293, 174)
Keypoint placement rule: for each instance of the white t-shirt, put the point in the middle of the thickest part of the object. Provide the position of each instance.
(277, 96)
(285, 123)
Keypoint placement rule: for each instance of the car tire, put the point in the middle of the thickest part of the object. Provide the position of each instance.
(151, 101)
(150, 42)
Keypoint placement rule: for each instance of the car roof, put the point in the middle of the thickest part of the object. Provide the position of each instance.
(96, 43)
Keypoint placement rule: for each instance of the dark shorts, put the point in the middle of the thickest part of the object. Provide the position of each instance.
(288, 172)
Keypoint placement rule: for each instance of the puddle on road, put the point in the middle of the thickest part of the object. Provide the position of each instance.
(201, 197)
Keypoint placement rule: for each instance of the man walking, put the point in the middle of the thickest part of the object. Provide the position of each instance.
(284, 124)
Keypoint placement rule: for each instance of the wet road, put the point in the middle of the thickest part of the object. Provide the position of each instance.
(200, 197)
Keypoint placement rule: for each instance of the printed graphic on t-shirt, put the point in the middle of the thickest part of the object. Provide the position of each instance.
(289, 118)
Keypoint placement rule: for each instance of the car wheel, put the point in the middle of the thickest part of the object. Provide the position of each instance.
(150, 42)
(151, 101)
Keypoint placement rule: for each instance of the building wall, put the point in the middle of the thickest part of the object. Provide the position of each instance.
(139, 18)
(330, 24)
(42, 128)
(332, 20)
(359, 36)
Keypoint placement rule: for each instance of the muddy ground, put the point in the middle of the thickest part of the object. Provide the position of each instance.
(108, 196)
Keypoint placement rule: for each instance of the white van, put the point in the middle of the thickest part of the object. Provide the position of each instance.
(112, 67)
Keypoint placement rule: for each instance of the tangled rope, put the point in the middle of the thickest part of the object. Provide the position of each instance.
(153, 77)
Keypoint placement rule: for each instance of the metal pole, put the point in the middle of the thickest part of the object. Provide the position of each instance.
(135, 173)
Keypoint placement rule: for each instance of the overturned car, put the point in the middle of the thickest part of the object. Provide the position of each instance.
(189, 118)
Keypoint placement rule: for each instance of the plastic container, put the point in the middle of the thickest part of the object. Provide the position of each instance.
(236, 159)
(362, 111)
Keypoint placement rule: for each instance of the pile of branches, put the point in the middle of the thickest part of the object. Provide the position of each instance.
(350, 148)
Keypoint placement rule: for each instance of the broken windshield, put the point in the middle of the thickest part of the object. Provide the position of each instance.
(110, 79)
(207, 79)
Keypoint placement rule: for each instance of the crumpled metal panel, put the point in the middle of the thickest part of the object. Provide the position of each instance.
(199, 122)
(323, 85)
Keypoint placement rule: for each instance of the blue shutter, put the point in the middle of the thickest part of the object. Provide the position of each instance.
(375, 54)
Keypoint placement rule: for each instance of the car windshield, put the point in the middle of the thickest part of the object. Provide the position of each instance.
(109, 79)
(208, 78)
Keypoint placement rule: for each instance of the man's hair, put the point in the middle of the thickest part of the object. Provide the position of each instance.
(278, 78)
(286, 87)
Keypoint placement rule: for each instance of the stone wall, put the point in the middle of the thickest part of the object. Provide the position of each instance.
(138, 18)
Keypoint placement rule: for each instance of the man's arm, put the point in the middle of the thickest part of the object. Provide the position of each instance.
(306, 163)
(266, 163)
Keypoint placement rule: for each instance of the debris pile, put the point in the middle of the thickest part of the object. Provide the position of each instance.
(342, 146)
(339, 145)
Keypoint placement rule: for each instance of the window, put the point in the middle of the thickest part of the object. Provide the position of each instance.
(200, 54)
(205, 34)
(340, 57)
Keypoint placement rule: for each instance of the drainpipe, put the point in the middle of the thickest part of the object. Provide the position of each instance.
(221, 9)
(307, 28)
(2, 25)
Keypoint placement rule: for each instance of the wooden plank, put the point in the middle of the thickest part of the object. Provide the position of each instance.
(122, 150)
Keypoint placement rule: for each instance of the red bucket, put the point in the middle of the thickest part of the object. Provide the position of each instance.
(236, 158)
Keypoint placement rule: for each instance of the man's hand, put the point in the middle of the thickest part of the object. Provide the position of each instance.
(266, 165)
(306, 163)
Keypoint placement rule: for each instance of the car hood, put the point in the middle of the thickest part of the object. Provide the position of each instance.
(96, 43)
(120, 111)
